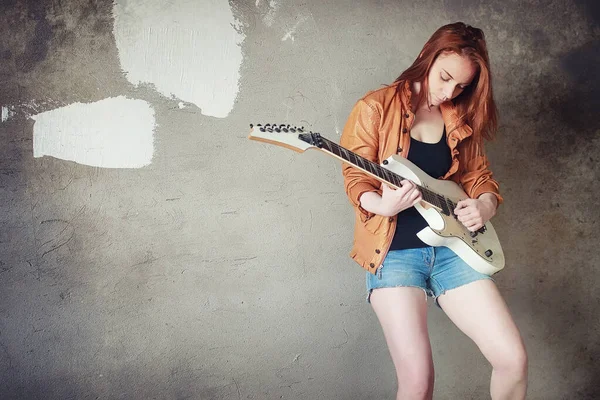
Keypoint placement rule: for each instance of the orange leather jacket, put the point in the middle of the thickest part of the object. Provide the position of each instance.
(378, 127)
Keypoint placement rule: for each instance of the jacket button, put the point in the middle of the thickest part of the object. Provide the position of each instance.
(406, 115)
(404, 130)
(377, 251)
(372, 265)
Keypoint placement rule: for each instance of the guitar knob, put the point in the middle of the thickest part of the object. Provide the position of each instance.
(488, 253)
(473, 234)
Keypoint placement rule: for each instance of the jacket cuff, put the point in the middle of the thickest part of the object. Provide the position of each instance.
(358, 191)
(488, 187)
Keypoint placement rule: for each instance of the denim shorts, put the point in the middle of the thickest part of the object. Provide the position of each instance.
(433, 269)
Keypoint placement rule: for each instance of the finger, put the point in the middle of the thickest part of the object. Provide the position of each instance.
(405, 190)
(464, 216)
(412, 194)
(463, 211)
(469, 219)
(473, 225)
(417, 199)
(462, 204)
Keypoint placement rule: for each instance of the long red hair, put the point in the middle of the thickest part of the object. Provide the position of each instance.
(475, 105)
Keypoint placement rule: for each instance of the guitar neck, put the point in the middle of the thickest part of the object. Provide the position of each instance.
(384, 175)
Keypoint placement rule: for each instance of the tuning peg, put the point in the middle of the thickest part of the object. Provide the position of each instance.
(277, 129)
(262, 129)
(284, 129)
(258, 125)
(292, 129)
(251, 126)
(268, 125)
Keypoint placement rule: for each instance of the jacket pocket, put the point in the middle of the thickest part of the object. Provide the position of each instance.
(374, 224)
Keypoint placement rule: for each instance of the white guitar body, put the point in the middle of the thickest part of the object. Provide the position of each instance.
(444, 230)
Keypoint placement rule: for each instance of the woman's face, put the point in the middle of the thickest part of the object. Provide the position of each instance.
(449, 75)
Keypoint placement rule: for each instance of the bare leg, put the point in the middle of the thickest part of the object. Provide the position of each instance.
(480, 312)
(402, 313)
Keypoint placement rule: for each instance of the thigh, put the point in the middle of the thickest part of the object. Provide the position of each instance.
(479, 311)
(402, 313)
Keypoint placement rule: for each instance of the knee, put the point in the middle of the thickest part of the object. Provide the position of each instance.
(415, 381)
(513, 361)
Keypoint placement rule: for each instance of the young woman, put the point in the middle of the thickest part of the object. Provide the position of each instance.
(436, 114)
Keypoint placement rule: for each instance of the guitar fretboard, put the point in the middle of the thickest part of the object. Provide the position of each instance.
(441, 202)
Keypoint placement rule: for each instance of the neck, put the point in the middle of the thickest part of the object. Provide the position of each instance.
(424, 104)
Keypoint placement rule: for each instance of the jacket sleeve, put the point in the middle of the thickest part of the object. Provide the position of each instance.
(477, 178)
(361, 136)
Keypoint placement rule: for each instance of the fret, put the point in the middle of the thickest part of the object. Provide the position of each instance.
(390, 176)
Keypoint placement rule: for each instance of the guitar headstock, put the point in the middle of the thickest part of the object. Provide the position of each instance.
(288, 136)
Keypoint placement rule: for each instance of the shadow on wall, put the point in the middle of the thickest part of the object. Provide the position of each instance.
(579, 109)
(566, 275)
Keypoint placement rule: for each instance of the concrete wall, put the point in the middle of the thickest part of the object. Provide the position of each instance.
(221, 270)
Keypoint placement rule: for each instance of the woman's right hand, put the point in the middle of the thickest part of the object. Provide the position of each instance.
(394, 201)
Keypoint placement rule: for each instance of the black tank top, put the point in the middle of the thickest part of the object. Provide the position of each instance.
(435, 160)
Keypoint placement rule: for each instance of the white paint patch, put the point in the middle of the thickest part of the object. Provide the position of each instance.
(290, 34)
(187, 49)
(269, 17)
(111, 133)
(6, 114)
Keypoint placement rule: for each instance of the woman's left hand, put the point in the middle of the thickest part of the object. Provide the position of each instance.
(474, 213)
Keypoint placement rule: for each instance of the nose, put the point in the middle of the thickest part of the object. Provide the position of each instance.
(448, 91)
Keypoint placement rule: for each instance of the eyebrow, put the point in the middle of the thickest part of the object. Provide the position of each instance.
(451, 77)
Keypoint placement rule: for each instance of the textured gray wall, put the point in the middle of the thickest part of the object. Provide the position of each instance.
(221, 270)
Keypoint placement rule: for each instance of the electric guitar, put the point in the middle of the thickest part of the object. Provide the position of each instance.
(480, 249)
